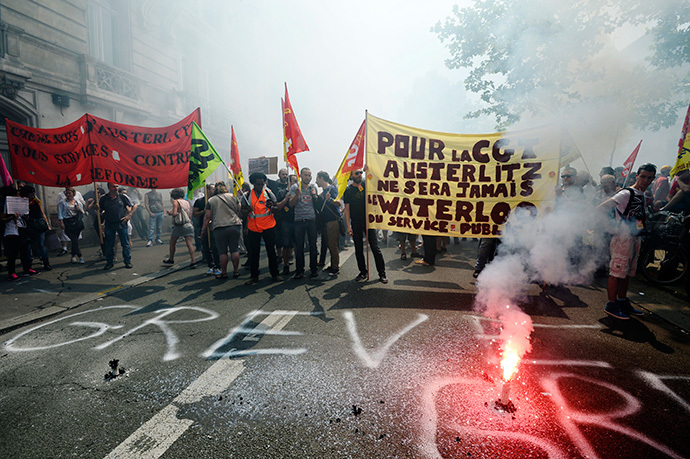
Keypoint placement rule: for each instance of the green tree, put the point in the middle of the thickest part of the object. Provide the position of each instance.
(546, 57)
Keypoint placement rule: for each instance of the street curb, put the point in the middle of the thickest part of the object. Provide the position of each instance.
(35, 316)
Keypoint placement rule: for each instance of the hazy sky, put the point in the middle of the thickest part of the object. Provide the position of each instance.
(342, 58)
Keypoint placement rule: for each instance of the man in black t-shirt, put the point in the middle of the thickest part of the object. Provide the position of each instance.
(284, 219)
(117, 211)
(356, 221)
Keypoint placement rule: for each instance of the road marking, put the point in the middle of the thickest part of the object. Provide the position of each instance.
(374, 359)
(154, 438)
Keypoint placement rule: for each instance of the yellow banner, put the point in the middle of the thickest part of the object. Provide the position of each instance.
(436, 183)
(683, 158)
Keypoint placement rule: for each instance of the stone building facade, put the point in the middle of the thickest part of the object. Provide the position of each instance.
(140, 62)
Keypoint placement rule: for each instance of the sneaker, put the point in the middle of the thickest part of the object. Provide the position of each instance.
(81, 260)
(298, 275)
(211, 272)
(361, 277)
(217, 272)
(149, 244)
(168, 261)
(286, 270)
(334, 272)
(129, 265)
(158, 241)
(75, 259)
(107, 266)
(13, 277)
(614, 310)
(30, 272)
(626, 307)
(192, 265)
(61, 252)
(383, 279)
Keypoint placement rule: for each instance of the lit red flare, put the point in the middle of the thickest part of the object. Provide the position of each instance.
(509, 361)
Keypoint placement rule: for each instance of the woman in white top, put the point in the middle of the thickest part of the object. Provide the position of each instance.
(182, 226)
(71, 210)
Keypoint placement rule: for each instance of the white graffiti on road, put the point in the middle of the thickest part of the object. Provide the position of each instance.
(374, 359)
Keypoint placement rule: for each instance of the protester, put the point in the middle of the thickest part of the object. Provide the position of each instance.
(71, 216)
(138, 220)
(182, 226)
(629, 205)
(92, 208)
(208, 242)
(37, 224)
(153, 201)
(260, 225)
(62, 237)
(412, 239)
(607, 188)
(569, 189)
(330, 213)
(117, 211)
(15, 238)
(223, 213)
(355, 219)
(304, 199)
(661, 187)
(431, 249)
(285, 219)
(486, 253)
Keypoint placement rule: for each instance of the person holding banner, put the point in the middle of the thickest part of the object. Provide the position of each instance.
(117, 211)
(356, 221)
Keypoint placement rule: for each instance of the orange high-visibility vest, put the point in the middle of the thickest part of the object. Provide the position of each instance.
(260, 218)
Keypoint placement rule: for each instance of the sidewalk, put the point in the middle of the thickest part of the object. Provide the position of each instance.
(70, 285)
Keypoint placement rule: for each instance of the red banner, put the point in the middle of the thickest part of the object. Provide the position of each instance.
(93, 149)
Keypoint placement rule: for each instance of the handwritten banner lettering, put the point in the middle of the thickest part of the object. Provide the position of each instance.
(93, 149)
(436, 183)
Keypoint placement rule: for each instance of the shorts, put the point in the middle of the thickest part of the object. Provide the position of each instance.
(227, 239)
(186, 230)
(625, 250)
(286, 238)
(402, 237)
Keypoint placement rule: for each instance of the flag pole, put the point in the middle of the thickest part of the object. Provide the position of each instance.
(98, 211)
(366, 203)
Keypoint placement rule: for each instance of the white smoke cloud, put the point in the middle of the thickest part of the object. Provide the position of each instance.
(565, 246)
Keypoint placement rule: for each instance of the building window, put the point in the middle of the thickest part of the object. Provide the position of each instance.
(108, 32)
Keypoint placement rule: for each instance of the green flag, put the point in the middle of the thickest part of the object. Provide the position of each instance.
(203, 160)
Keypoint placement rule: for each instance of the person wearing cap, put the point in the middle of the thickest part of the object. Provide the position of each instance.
(258, 206)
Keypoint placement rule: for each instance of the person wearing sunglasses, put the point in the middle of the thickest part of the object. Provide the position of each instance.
(356, 221)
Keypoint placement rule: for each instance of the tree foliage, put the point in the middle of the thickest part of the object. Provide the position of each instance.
(546, 57)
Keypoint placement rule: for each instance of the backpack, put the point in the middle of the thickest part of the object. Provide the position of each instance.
(634, 214)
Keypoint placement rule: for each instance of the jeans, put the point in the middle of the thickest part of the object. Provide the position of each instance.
(120, 229)
(308, 228)
(40, 241)
(155, 226)
(358, 239)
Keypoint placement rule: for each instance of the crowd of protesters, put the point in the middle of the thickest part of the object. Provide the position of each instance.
(286, 217)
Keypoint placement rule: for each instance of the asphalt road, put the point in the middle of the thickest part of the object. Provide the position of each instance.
(332, 368)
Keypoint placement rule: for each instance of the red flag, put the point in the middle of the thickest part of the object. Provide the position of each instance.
(354, 159)
(628, 164)
(4, 173)
(292, 135)
(235, 166)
